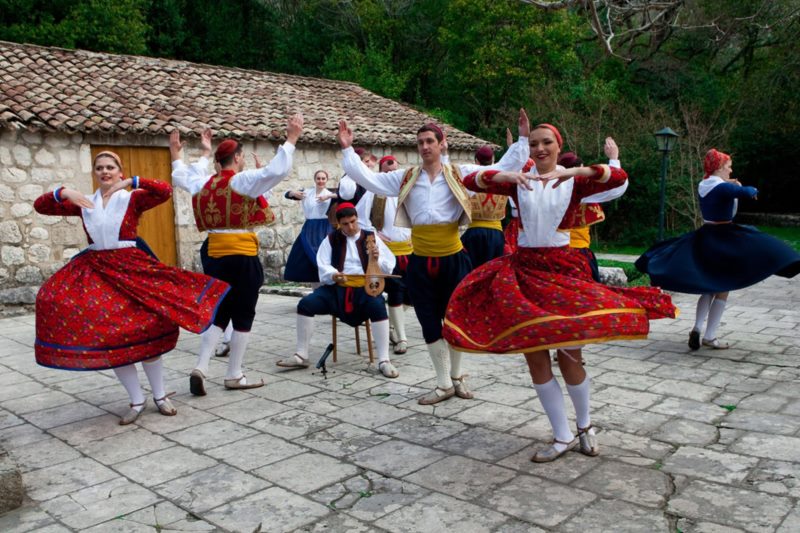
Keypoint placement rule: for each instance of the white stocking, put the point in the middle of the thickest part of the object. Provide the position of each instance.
(238, 346)
(208, 343)
(441, 363)
(580, 400)
(380, 333)
(228, 332)
(155, 375)
(130, 380)
(397, 317)
(553, 402)
(455, 362)
(703, 305)
(305, 329)
(714, 318)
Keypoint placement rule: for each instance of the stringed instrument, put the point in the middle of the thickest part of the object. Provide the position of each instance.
(374, 282)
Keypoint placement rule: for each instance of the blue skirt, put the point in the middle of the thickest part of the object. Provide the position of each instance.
(718, 258)
(302, 262)
(483, 245)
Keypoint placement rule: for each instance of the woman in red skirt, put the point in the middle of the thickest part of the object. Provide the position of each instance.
(114, 305)
(543, 296)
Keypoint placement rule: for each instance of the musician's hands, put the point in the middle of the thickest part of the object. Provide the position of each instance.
(339, 277)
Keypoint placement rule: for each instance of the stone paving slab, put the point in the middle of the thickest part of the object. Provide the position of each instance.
(705, 441)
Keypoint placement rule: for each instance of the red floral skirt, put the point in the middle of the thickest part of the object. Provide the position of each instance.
(511, 234)
(111, 308)
(542, 298)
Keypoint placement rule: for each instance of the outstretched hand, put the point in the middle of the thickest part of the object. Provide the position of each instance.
(118, 186)
(524, 123)
(205, 141)
(513, 177)
(509, 138)
(175, 144)
(559, 176)
(77, 198)
(294, 128)
(256, 160)
(344, 135)
(611, 149)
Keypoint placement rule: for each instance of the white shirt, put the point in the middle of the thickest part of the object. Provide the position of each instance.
(311, 207)
(390, 232)
(427, 202)
(352, 261)
(104, 223)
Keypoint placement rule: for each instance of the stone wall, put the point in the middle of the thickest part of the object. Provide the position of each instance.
(33, 246)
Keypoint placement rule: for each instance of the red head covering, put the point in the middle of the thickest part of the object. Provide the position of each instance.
(555, 131)
(484, 155)
(438, 131)
(569, 160)
(713, 161)
(386, 158)
(344, 205)
(359, 151)
(107, 153)
(225, 149)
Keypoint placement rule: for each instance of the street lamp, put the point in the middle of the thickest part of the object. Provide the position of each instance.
(666, 140)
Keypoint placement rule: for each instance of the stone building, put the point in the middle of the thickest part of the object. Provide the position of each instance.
(58, 107)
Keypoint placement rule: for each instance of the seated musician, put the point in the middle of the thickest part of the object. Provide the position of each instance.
(342, 260)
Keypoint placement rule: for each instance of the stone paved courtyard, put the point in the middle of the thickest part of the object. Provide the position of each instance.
(706, 441)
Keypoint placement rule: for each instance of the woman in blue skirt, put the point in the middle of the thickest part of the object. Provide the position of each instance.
(720, 256)
(302, 262)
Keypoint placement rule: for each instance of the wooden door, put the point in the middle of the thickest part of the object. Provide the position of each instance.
(157, 225)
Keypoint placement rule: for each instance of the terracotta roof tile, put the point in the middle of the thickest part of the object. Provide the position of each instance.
(79, 91)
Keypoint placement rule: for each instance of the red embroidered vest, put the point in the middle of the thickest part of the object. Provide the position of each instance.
(218, 206)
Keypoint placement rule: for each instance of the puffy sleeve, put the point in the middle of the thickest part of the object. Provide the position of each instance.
(149, 193)
(481, 181)
(604, 178)
(50, 203)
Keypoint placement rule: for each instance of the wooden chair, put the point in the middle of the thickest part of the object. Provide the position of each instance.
(358, 339)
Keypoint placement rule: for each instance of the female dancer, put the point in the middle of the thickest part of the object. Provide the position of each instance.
(720, 256)
(302, 262)
(115, 305)
(542, 296)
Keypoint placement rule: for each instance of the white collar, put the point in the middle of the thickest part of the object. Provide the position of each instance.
(708, 184)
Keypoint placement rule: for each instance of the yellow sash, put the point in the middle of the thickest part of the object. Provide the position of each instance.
(354, 280)
(400, 247)
(222, 244)
(436, 240)
(489, 224)
(579, 237)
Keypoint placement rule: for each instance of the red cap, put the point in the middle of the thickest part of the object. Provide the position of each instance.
(484, 155)
(344, 205)
(436, 128)
(714, 161)
(225, 149)
(555, 131)
(386, 158)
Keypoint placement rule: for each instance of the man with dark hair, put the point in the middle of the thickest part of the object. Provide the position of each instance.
(342, 260)
(484, 239)
(228, 205)
(432, 201)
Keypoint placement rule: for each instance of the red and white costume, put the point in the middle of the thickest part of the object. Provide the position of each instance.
(114, 305)
(543, 296)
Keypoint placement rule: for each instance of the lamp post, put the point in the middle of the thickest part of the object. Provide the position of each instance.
(666, 140)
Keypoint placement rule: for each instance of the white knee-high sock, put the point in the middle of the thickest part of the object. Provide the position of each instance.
(580, 400)
(714, 318)
(238, 346)
(397, 317)
(553, 402)
(455, 362)
(441, 363)
(228, 333)
(155, 375)
(130, 380)
(700, 314)
(305, 329)
(380, 334)
(208, 343)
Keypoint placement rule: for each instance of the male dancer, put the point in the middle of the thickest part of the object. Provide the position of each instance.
(376, 214)
(342, 260)
(484, 239)
(432, 201)
(228, 205)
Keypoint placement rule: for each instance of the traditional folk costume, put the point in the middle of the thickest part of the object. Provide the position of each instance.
(718, 257)
(484, 240)
(377, 214)
(347, 300)
(433, 210)
(229, 205)
(511, 231)
(114, 304)
(301, 265)
(543, 296)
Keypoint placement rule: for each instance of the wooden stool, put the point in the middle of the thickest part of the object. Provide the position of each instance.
(358, 339)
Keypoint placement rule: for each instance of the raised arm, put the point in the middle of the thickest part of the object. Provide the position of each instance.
(254, 183)
(148, 193)
(382, 183)
(190, 178)
(515, 157)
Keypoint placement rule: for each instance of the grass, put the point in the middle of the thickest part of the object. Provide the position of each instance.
(635, 278)
(790, 235)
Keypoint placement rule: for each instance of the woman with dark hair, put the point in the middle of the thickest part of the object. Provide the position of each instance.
(543, 296)
(720, 256)
(115, 305)
(301, 264)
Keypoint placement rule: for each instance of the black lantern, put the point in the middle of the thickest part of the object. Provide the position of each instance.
(666, 139)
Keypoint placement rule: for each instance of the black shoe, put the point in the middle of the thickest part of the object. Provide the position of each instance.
(196, 386)
(694, 340)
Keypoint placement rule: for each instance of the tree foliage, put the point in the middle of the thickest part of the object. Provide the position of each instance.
(721, 73)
